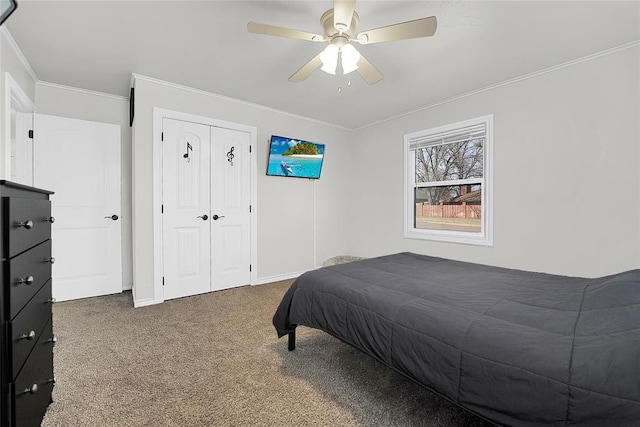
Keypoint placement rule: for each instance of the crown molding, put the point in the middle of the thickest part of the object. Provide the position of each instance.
(16, 49)
(541, 72)
(235, 100)
(85, 91)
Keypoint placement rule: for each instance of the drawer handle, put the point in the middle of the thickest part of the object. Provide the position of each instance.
(51, 260)
(50, 219)
(31, 390)
(30, 336)
(26, 224)
(27, 281)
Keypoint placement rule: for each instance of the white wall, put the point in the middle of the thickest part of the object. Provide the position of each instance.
(285, 207)
(566, 172)
(69, 102)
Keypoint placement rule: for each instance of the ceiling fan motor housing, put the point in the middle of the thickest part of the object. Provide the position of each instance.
(326, 20)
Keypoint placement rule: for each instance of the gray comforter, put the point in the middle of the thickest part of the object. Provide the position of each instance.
(515, 347)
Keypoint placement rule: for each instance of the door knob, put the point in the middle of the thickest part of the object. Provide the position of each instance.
(216, 217)
(50, 219)
(204, 217)
(113, 217)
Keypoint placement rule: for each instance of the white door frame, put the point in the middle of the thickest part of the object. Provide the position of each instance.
(158, 115)
(15, 97)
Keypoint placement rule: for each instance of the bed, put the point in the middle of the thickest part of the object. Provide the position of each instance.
(514, 347)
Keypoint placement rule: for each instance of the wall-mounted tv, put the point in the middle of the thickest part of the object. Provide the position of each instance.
(295, 158)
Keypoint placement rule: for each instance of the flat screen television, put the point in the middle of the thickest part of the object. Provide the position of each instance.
(294, 158)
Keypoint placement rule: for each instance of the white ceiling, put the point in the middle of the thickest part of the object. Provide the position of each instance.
(96, 45)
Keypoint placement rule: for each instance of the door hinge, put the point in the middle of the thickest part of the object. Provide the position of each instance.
(249, 267)
(162, 280)
(161, 208)
(249, 148)
(30, 133)
(161, 136)
(249, 208)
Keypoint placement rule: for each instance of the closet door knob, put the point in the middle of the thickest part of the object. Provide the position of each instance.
(216, 217)
(113, 217)
(204, 217)
(51, 260)
(26, 224)
(27, 281)
(50, 219)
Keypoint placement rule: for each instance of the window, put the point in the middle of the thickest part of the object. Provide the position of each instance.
(448, 183)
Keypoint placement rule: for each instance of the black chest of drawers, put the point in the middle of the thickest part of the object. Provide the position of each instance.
(26, 335)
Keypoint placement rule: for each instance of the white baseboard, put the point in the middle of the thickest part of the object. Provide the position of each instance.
(127, 286)
(145, 302)
(142, 302)
(261, 281)
(279, 277)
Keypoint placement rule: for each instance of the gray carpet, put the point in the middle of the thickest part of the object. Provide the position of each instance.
(215, 360)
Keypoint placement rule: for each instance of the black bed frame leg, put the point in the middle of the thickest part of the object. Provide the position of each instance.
(292, 340)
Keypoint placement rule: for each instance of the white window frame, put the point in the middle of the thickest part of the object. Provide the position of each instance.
(485, 236)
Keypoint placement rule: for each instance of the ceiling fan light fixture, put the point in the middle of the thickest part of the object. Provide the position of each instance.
(350, 57)
(340, 25)
(329, 59)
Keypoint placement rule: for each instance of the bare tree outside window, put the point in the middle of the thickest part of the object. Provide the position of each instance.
(449, 162)
(449, 207)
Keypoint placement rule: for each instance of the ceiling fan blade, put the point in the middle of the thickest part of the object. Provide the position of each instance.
(368, 72)
(272, 30)
(306, 70)
(342, 14)
(424, 27)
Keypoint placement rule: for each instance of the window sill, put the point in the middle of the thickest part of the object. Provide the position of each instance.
(476, 239)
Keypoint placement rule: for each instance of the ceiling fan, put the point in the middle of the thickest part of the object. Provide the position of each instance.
(340, 25)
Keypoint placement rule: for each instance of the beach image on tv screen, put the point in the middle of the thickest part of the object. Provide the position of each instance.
(296, 158)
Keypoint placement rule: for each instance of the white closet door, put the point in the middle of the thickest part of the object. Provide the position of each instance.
(230, 200)
(80, 161)
(186, 208)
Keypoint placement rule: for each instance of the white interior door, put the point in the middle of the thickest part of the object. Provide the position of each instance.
(230, 201)
(80, 161)
(186, 208)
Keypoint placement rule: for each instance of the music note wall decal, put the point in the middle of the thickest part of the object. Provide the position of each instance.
(230, 155)
(186, 155)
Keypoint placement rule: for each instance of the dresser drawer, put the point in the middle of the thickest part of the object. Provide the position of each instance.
(29, 223)
(30, 402)
(28, 272)
(28, 325)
